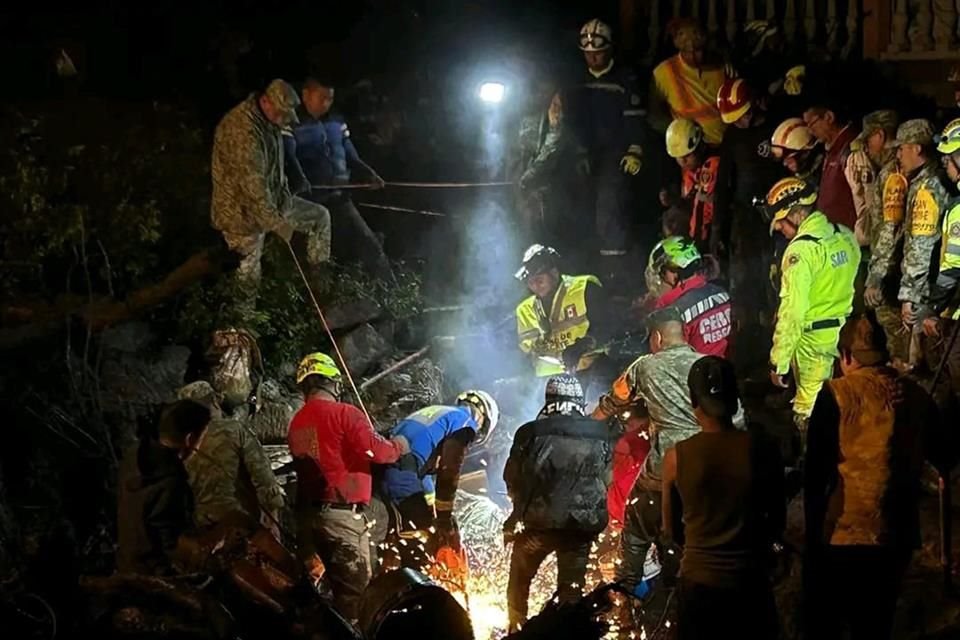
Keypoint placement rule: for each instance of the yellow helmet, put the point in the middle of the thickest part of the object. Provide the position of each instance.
(319, 364)
(785, 194)
(683, 137)
(948, 142)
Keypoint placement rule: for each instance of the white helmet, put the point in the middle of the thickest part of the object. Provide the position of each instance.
(793, 135)
(596, 35)
(488, 408)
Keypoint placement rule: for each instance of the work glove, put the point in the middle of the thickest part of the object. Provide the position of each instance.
(873, 296)
(793, 80)
(573, 353)
(284, 230)
(630, 164)
(446, 532)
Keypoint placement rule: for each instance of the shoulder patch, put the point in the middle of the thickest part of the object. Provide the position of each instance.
(955, 230)
(925, 213)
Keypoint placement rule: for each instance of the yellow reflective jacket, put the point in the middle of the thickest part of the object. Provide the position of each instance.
(540, 334)
(819, 267)
(945, 289)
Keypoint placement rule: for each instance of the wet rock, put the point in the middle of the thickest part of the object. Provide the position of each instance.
(352, 313)
(362, 348)
(277, 407)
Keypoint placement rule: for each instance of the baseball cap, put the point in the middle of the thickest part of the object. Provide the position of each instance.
(862, 338)
(917, 131)
(284, 97)
(713, 387)
(884, 119)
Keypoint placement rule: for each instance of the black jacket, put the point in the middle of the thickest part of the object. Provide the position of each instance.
(155, 506)
(558, 472)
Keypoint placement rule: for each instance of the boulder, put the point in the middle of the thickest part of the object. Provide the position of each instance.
(277, 406)
(351, 313)
(362, 348)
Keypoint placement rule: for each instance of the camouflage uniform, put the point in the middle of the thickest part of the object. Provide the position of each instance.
(230, 474)
(250, 192)
(886, 203)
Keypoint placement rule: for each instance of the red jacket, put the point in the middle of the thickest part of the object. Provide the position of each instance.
(333, 445)
(835, 199)
(705, 310)
(628, 456)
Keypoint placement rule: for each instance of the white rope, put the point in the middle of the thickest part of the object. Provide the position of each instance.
(326, 327)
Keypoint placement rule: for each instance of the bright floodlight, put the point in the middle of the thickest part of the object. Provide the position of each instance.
(492, 92)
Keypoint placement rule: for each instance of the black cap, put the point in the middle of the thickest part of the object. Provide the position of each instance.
(713, 387)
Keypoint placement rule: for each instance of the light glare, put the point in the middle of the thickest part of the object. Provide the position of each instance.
(492, 92)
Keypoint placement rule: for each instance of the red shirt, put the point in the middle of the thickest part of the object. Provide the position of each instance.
(835, 199)
(333, 445)
(628, 456)
(705, 310)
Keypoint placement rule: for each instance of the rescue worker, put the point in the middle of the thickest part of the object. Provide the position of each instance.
(745, 173)
(322, 154)
(230, 475)
(565, 319)
(861, 489)
(794, 146)
(607, 119)
(942, 301)
(730, 490)
(251, 196)
(816, 292)
(926, 198)
(155, 504)
(421, 486)
(703, 305)
(333, 445)
(557, 477)
(685, 86)
(841, 184)
(655, 382)
(886, 209)
(699, 170)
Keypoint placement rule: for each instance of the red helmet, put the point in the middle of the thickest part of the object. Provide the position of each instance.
(733, 99)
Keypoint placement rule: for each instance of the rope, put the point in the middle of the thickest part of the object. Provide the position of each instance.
(385, 207)
(326, 327)
(420, 185)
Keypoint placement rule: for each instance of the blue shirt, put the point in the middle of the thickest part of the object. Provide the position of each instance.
(425, 430)
(324, 149)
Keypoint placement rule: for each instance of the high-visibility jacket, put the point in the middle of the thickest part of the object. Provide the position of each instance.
(692, 93)
(945, 289)
(699, 187)
(547, 334)
(816, 289)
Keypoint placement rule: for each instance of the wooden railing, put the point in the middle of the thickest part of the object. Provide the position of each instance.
(911, 29)
(829, 27)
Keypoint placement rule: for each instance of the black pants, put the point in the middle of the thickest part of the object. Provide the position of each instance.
(853, 587)
(530, 549)
(353, 240)
(713, 613)
(640, 531)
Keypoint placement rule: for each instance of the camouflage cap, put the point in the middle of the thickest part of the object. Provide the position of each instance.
(284, 97)
(917, 131)
(884, 119)
(200, 391)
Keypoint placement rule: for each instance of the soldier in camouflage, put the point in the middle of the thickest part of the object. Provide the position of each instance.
(250, 192)
(926, 198)
(885, 206)
(230, 475)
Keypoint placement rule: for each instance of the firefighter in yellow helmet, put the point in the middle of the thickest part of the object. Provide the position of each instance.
(942, 301)
(566, 317)
(816, 292)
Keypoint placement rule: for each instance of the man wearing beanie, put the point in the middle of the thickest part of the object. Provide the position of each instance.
(861, 485)
(726, 486)
(557, 477)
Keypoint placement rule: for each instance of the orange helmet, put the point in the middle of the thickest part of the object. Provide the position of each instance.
(733, 99)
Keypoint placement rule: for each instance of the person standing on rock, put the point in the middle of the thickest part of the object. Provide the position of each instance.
(333, 445)
(557, 477)
(251, 196)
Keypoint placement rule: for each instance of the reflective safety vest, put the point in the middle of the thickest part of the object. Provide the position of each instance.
(949, 273)
(546, 336)
(692, 93)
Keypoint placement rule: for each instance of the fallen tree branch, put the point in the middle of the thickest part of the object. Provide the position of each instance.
(99, 313)
(413, 357)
